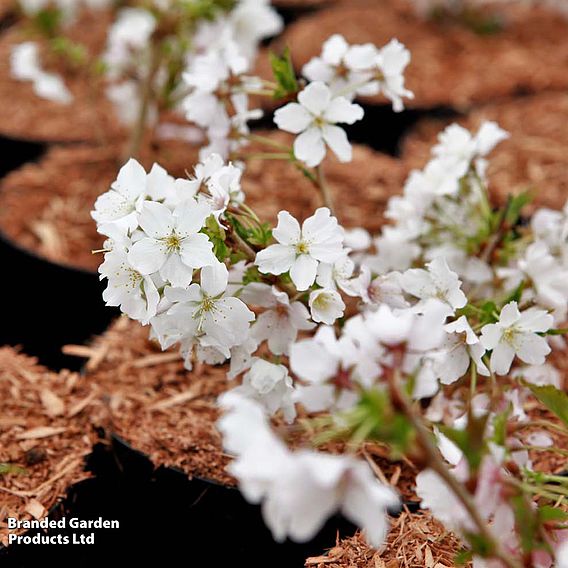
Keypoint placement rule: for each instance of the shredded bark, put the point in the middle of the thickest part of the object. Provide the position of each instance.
(534, 158)
(416, 540)
(451, 65)
(45, 435)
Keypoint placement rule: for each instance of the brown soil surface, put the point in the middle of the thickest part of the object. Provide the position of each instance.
(45, 206)
(535, 157)
(44, 431)
(25, 115)
(451, 65)
(416, 540)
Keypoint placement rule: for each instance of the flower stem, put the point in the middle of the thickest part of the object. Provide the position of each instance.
(325, 189)
(145, 99)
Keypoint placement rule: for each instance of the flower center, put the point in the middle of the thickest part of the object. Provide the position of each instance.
(319, 121)
(173, 243)
(509, 335)
(207, 304)
(302, 247)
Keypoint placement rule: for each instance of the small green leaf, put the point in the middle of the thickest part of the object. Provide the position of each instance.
(561, 331)
(527, 523)
(6, 468)
(514, 206)
(547, 513)
(500, 426)
(284, 74)
(554, 399)
(463, 557)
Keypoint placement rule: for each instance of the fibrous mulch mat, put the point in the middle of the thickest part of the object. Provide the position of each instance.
(45, 435)
(416, 540)
(45, 206)
(89, 117)
(451, 65)
(535, 157)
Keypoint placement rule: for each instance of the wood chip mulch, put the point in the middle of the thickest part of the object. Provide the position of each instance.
(451, 65)
(535, 157)
(416, 540)
(89, 117)
(45, 206)
(45, 435)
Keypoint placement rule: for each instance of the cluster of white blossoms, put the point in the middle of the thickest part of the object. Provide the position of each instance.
(313, 318)
(25, 65)
(67, 8)
(211, 52)
(361, 70)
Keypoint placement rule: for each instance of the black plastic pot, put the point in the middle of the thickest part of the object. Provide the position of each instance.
(215, 520)
(17, 151)
(48, 305)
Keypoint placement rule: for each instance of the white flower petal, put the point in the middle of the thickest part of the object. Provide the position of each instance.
(276, 259)
(303, 271)
(336, 139)
(292, 118)
(287, 232)
(341, 110)
(315, 97)
(147, 256)
(309, 147)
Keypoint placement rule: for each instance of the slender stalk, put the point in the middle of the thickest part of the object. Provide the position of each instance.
(268, 142)
(545, 449)
(542, 424)
(436, 463)
(265, 156)
(145, 100)
(325, 189)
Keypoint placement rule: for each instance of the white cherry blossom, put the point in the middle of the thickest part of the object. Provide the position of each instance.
(172, 244)
(300, 490)
(135, 293)
(25, 65)
(326, 305)
(280, 323)
(517, 333)
(301, 249)
(271, 386)
(206, 314)
(314, 118)
(437, 282)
